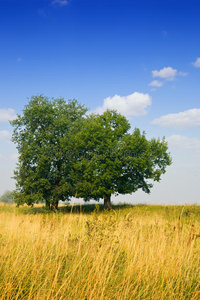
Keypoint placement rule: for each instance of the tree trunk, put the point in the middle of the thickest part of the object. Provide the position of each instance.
(54, 205)
(107, 202)
(47, 204)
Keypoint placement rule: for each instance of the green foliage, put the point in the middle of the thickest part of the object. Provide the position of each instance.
(7, 197)
(43, 135)
(64, 153)
(99, 162)
(113, 161)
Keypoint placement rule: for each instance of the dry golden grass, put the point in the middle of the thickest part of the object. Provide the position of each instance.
(130, 253)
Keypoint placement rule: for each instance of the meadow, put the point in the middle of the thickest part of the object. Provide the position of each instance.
(83, 252)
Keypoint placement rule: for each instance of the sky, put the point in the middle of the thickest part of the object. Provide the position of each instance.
(140, 57)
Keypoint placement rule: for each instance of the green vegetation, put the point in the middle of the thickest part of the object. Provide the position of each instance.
(63, 153)
(7, 197)
(131, 252)
(43, 135)
(112, 161)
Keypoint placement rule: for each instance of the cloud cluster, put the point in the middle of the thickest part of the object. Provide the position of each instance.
(183, 142)
(4, 134)
(196, 64)
(60, 2)
(7, 114)
(131, 105)
(186, 118)
(156, 83)
(167, 73)
(14, 156)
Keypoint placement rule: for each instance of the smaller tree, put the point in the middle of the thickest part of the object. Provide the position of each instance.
(112, 161)
(7, 197)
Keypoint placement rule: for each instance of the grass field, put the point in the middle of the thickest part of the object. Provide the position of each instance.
(131, 252)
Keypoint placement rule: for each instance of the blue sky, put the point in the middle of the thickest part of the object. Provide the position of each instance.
(139, 57)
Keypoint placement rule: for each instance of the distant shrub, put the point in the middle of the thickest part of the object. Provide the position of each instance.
(7, 197)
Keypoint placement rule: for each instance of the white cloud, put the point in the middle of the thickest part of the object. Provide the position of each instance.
(196, 64)
(167, 73)
(183, 142)
(131, 105)
(186, 118)
(156, 83)
(14, 156)
(4, 134)
(7, 114)
(180, 73)
(60, 2)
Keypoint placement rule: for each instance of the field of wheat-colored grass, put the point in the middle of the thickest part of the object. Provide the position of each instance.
(139, 252)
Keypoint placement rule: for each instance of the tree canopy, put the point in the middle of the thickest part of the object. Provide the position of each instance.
(43, 135)
(113, 161)
(63, 153)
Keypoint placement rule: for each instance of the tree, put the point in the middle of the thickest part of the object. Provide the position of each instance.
(112, 161)
(7, 197)
(43, 135)
(64, 153)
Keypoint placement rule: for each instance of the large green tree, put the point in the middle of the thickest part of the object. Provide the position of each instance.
(43, 135)
(64, 153)
(112, 161)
